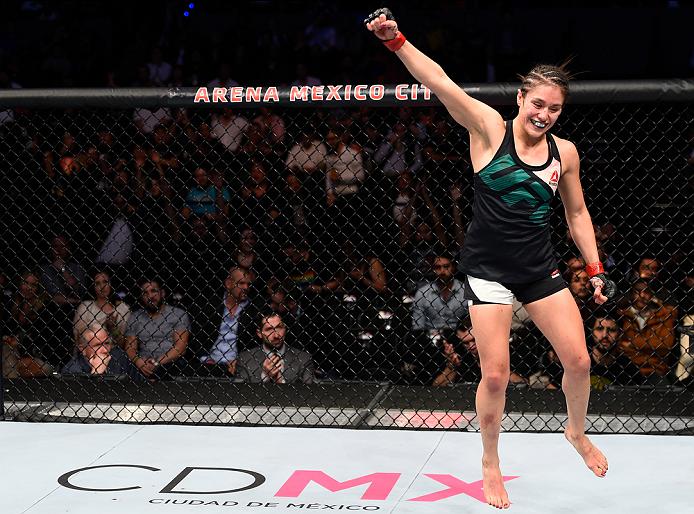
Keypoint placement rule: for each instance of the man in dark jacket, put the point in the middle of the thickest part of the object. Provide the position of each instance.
(99, 356)
(274, 361)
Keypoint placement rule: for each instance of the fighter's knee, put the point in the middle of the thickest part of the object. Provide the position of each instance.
(495, 380)
(578, 365)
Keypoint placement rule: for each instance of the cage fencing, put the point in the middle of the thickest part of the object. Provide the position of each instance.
(161, 245)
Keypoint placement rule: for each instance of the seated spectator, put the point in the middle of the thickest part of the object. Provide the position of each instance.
(63, 278)
(26, 336)
(117, 245)
(307, 273)
(579, 287)
(281, 298)
(684, 373)
(156, 336)
(418, 240)
(440, 304)
(649, 268)
(364, 273)
(437, 307)
(648, 329)
(258, 198)
(399, 152)
(302, 199)
(146, 120)
(274, 361)
(608, 364)
(550, 374)
(104, 311)
(206, 199)
(98, 355)
(228, 128)
(462, 362)
(575, 264)
(259, 257)
(345, 174)
(307, 155)
(271, 126)
(230, 325)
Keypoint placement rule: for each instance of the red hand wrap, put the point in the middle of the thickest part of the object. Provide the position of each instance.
(594, 268)
(396, 43)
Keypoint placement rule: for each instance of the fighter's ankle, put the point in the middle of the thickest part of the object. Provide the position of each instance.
(490, 462)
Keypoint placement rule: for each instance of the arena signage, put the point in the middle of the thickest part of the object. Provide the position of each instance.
(379, 484)
(359, 92)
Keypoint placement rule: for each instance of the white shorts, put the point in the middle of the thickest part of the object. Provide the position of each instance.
(479, 291)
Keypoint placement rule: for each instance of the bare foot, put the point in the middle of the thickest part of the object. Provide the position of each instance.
(592, 456)
(493, 486)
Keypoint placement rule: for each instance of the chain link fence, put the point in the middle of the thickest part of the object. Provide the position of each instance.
(270, 261)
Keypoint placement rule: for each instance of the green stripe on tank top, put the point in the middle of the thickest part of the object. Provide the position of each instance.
(541, 191)
(540, 214)
(518, 182)
(500, 163)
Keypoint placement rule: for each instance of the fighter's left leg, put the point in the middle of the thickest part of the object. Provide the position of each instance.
(558, 318)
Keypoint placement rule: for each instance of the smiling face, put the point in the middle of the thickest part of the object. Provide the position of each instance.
(539, 108)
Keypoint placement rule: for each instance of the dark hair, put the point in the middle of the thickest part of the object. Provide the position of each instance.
(650, 256)
(106, 272)
(264, 315)
(547, 74)
(146, 280)
(602, 313)
(444, 253)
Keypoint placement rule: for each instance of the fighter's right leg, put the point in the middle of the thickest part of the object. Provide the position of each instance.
(491, 324)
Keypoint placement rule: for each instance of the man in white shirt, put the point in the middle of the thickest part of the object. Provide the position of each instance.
(228, 128)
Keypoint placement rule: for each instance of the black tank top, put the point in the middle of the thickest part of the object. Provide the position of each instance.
(509, 237)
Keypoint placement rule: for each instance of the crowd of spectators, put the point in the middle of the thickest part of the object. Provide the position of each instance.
(271, 247)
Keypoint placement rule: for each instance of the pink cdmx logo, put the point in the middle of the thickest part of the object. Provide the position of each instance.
(379, 485)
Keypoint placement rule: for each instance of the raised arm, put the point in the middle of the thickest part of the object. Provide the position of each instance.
(477, 117)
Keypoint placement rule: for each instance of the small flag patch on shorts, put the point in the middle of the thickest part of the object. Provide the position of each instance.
(555, 273)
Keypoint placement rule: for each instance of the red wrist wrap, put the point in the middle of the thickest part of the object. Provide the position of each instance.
(396, 43)
(594, 268)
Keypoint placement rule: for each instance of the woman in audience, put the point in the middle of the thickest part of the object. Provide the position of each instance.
(103, 311)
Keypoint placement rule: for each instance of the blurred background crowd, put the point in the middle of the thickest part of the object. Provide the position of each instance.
(160, 243)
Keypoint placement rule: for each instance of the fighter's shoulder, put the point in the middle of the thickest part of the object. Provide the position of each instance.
(566, 148)
(568, 153)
